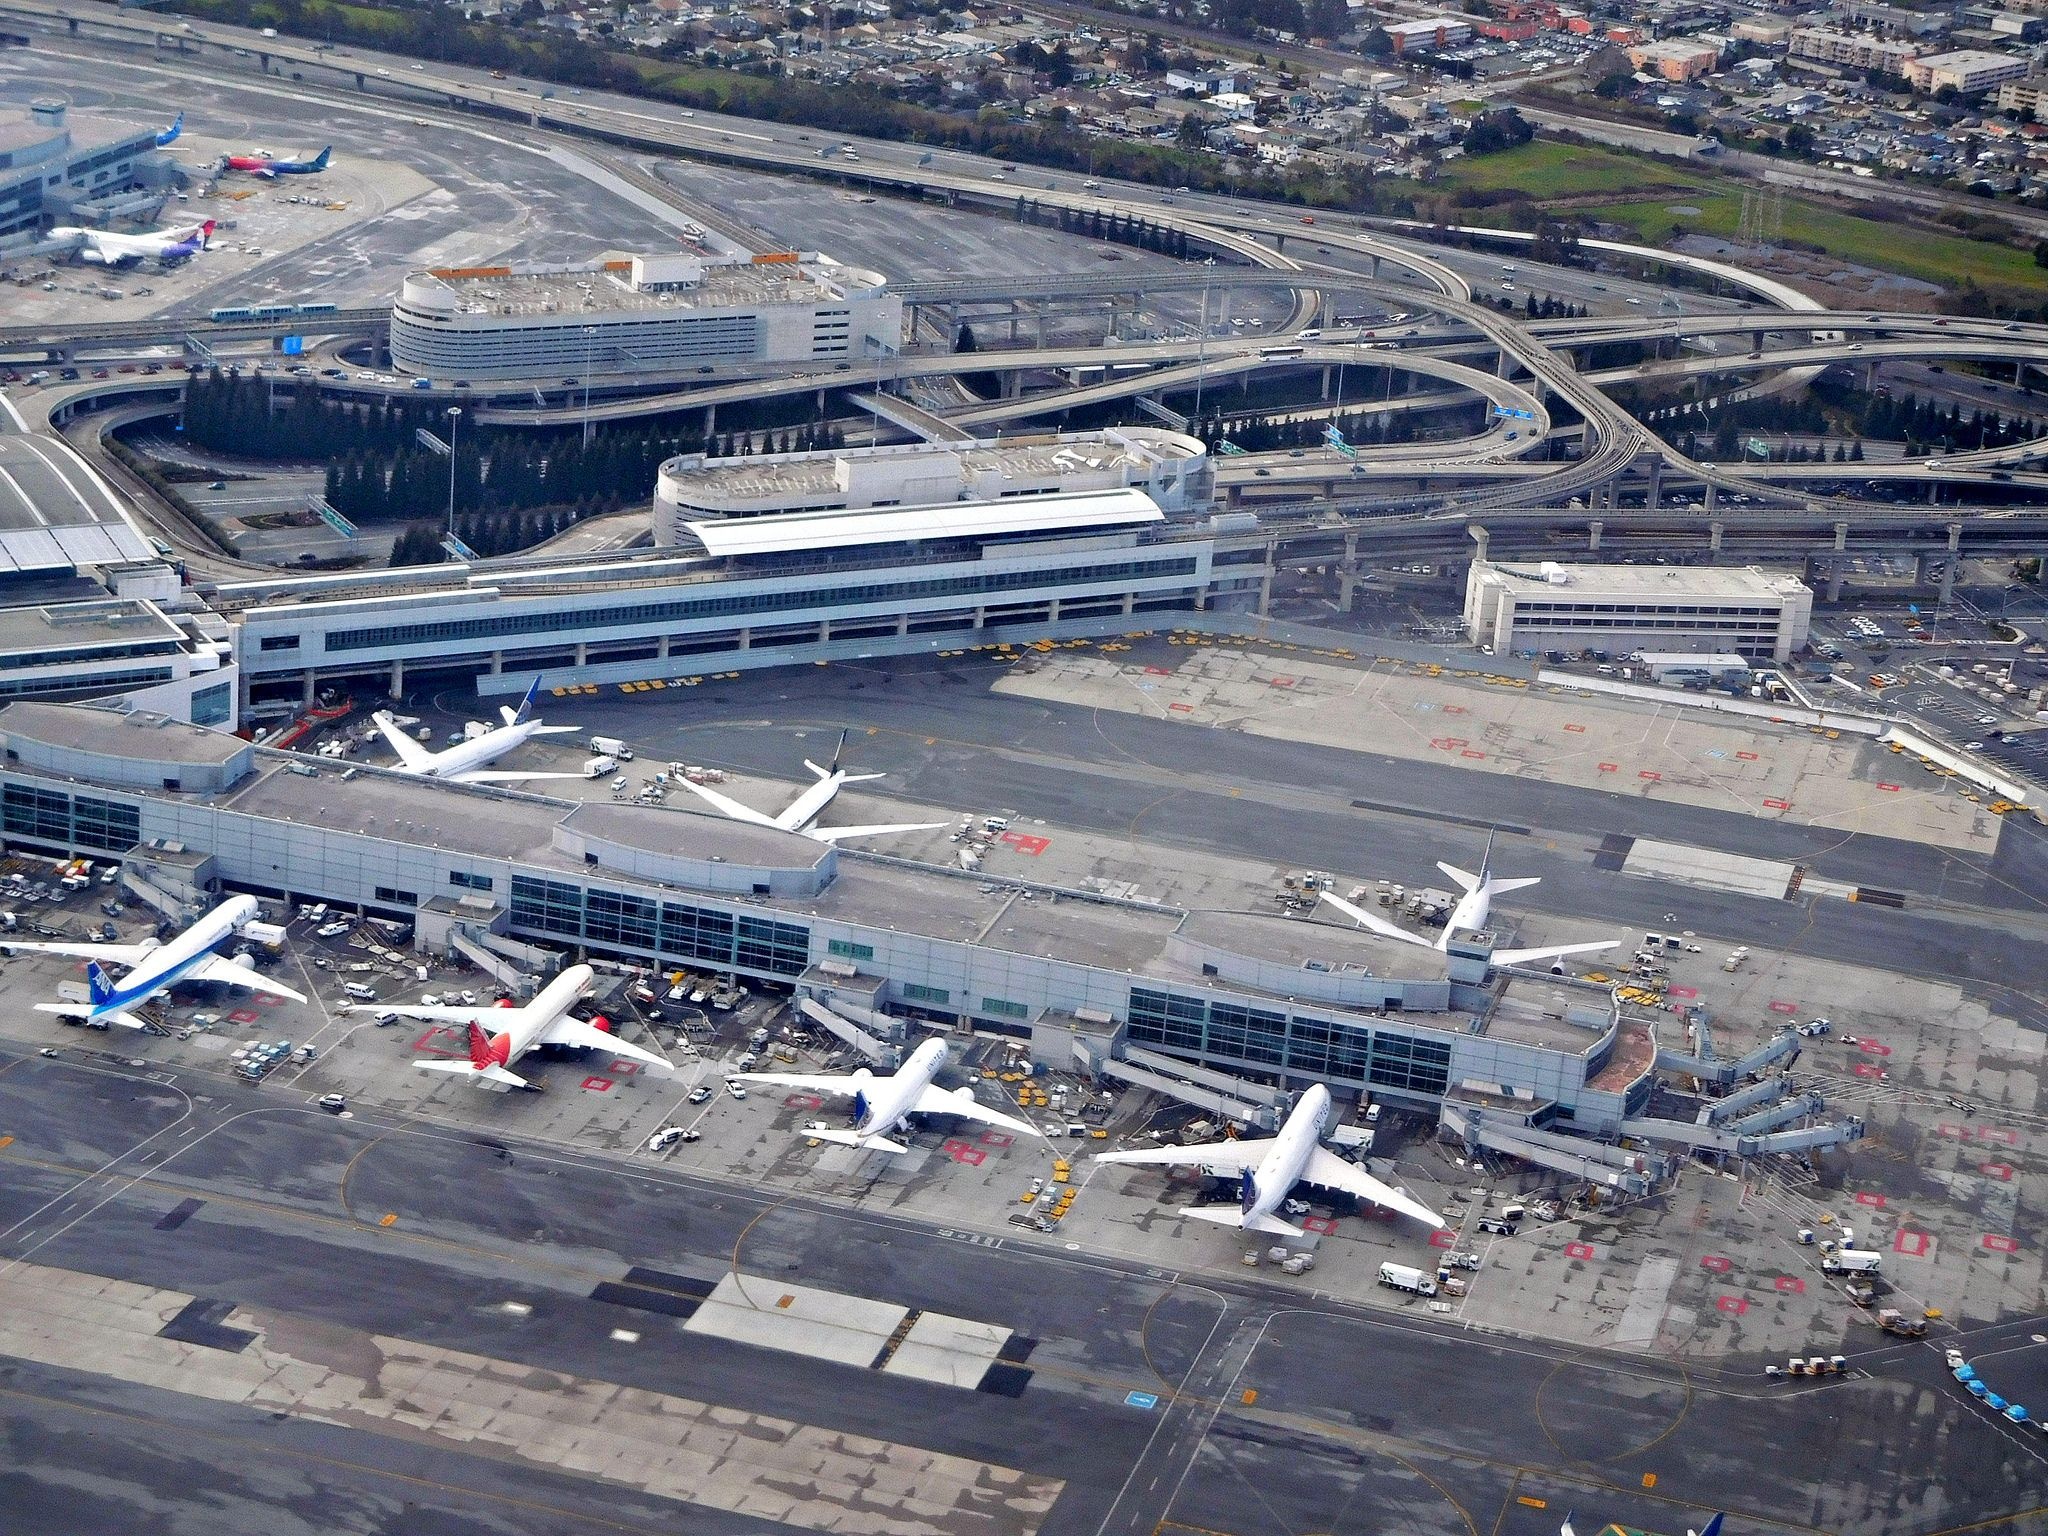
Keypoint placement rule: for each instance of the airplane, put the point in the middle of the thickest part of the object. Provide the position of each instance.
(885, 1104)
(154, 967)
(467, 762)
(1268, 1167)
(1468, 915)
(515, 1031)
(269, 167)
(1713, 1527)
(105, 248)
(801, 814)
(170, 135)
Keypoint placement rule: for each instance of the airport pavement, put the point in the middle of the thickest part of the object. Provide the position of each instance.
(1254, 1410)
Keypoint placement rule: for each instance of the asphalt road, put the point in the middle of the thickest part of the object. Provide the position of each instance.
(1275, 1412)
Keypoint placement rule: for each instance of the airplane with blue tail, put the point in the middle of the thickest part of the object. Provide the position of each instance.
(468, 762)
(269, 167)
(883, 1105)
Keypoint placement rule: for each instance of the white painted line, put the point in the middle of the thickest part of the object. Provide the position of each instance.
(13, 412)
(22, 496)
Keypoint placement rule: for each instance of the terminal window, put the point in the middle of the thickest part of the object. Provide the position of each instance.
(845, 949)
(1003, 1008)
(469, 882)
(914, 992)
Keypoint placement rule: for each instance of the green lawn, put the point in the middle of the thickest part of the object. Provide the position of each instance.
(1544, 168)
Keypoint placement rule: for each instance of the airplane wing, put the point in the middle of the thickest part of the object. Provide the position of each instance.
(1372, 920)
(507, 776)
(834, 834)
(962, 1102)
(410, 752)
(1226, 1157)
(726, 805)
(491, 1018)
(1551, 952)
(1332, 1172)
(235, 974)
(568, 1031)
(106, 954)
(844, 1085)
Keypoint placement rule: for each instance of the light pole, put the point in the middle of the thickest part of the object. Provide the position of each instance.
(589, 336)
(1202, 350)
(454, 422)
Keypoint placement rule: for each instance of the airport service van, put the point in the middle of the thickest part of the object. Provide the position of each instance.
(611, 746)
(1852, 1261)
(359, 992)
(1404, 1277)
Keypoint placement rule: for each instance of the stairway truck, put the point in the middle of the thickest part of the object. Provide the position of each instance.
(1852, 1261)
(1403, 1277)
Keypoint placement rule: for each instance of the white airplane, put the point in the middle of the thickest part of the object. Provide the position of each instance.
(1713, 1527)
(467, 762)
(515, 1031)
(882, 1105)
(104, 248)
(1268, 1167)
(154, 967)
(1469, 915)
(802, 813)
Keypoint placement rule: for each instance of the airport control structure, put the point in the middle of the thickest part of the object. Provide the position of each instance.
(57, 163)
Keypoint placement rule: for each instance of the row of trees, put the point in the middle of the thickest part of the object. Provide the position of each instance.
(1262, 434)
(267, 419)
(1832, 408)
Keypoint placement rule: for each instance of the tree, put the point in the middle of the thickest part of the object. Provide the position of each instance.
(1193, 133)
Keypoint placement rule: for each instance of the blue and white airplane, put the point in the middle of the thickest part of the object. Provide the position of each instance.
(153, 968)
(270, 166)
(882, 1106)
(467, 761)
(169, 135)
(1713, 1527)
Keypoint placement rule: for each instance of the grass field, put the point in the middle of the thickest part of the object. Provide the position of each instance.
(1547, 170)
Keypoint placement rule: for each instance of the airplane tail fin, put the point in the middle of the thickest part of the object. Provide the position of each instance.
(1247, 1191)
(1566, 1528)
(525, 711)
(320, 160)
(205, 233)
(170, 134)
(837, 753)
(481, 1055)
(102, 990)
(1224, 1216)
(855, 1139)
(1713, 1527)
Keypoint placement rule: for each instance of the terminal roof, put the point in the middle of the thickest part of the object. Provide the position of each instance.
(801, 532)
(110, 733)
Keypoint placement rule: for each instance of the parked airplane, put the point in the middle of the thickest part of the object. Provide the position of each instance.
(1268, 1167)
(170, 135)
(269, 166)
(467, 762)
(882, 1105)
(1469, 914)
(1713, 1527)
(515, 1031)
(154, 967)
(105, 248)
(802, 813)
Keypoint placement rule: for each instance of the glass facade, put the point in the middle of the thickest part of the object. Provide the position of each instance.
(671, 929)
(50, 816)
(1276, 1041)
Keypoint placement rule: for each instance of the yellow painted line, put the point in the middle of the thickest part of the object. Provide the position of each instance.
(390, 1218)
(6, 1141)
(1532, 1503)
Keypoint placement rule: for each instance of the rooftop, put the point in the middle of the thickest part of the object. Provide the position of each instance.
(802, 532)
(109, 733)
(1652, 580)
(75, 627)
(641, 285)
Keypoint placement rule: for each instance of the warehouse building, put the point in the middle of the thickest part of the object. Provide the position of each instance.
(640, 315)
(1760, 615)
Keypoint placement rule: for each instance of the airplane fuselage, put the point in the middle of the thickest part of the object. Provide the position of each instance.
(803, 812)
(468, 756)
(1283, 1166)
(1468, 916)
(166, 966)
(890, 1100)
(524, 1026)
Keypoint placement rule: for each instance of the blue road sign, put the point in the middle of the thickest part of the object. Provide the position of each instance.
(291, 346)
(1141, 1400)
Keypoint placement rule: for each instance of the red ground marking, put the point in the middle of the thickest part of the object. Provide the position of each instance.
(1685, 992)
(1791, 1285)
(424, 1043)
(964, 1152)
(1959, 1132)
(2001, 1171)
(1159, 671)
(1783, 1007)
(1867, 1069)
(1777, 805)
(1873, 1048)
(266, 1000)
(1735, 1304)
(1579, 1250)
(244, 1015)
(1998, 1133)
(803, 1101)
(1455, 709)
(1442, 743)
(1443, 1238)
(1999, 1244)
(1468, 752)
(1456, 741)
(996, 1138)
(1577, 730)
(1890, 789)
(1747, 757)
(1186, 709)
(1280, 682)
(1609, 767)
(1652, 775)
(1717, 1264)
(623, 1068)
(1323, 1224)
(598, 1084)
(1875, 1202)
(1026, 843)
(1914, 1245)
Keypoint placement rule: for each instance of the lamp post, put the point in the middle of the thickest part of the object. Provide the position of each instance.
(454, 423)
(589, 338)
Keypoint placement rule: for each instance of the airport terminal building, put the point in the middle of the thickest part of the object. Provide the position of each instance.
(894, 943)
(55, 162)
(1756, 614)
(640, 315)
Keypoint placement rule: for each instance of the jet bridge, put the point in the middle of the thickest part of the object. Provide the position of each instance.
(1633, 1173)
(1725, 1074)
(1768, 1091)
(1217, 1092)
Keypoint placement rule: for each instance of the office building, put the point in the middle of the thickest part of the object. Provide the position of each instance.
(1852, 50)
(1967, 71)
(1759, 615)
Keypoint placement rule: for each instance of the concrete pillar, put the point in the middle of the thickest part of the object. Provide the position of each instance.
(710, 419)
(1130, 604)
(1013, 383)
(1835, 567)
(1347, 574)
(1841, 536)
(1714, 539)
(1653, 496)
(1052, 611)
(824, 630)
(746, 640)
(1038, 323)
(661, 649)
(1375, 266)
(1480, 540)
(902, 624)
(309, 689)
(1933, 493)
(1955, 558)
(1713, 495)
(1593, 531)
(1328, 369)
(582, 652)
(497, 662)
(397, 689)
(981, 617)
(1265, 583)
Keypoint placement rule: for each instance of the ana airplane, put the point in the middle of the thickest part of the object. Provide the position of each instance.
(1469, 914)
(170, 135)
(105, 248)
(802, 813)
(154, 967)
(270, 167)
(1713, 1527)
(884, 1105)
(515, 1031)
(467, 762)
(1268, 1167)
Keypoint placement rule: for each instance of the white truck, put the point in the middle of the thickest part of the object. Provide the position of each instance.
(1852, 1261)
(611, 746)
(1405, 1277)
(598, 767)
